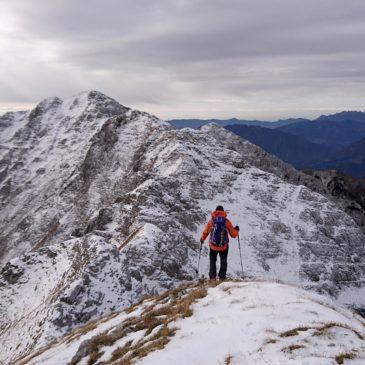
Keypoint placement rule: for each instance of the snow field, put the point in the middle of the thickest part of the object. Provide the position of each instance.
(244, 322)
(254, 323)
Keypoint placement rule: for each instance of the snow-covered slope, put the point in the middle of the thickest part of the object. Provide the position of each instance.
(231, 323)
(44, 149)
(102, 205)
(55, 288)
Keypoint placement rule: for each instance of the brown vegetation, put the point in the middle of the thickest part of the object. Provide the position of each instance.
(294, 331)
(156, 322)
(341, 357)
(228, 359)
(321, 330)
(271, 340)
(291, 348)
(129, 238)
(51, 231)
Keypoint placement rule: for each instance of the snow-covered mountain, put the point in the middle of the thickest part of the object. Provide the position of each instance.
(101, 205)
(232, 323)
(42, 151)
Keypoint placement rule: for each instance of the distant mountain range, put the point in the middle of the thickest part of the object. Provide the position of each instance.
(351, 160)
(335, 134)
(344, 116)
(296, 150)
(197, 123)
(329, 142)
(355, 116)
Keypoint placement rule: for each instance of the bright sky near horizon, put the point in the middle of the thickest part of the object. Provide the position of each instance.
(187, 58)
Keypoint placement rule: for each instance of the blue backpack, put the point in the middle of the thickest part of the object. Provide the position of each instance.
(218, 232)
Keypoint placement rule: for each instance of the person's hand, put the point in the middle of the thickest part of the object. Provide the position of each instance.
(237, 228)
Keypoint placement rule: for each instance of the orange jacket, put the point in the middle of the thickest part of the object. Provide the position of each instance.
(232, 232)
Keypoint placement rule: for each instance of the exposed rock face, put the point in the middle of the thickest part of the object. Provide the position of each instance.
(348, 192)
(107, 205)
(49, 291)
(44, 149)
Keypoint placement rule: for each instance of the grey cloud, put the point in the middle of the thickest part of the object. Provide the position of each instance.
(166, 55)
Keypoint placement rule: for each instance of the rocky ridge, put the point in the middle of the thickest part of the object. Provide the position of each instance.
(102, 205)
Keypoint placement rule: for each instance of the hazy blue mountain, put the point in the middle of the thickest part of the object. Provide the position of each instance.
(329, 141)
(350, 160)
(197, 123)
(295, 150)
(302, 153)
(335, 134)
(344, 116)
(355, 116)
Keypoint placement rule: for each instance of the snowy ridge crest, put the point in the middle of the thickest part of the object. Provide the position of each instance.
(233, 322)
(102, 205)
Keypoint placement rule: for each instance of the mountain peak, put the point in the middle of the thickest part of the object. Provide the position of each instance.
(50, 102)
(46, 105)
(111, 206)
(353, 115)
(94, 101)
(84, 103)
(92, 95)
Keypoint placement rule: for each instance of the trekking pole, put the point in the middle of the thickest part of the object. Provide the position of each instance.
(200, 250)
(239, 247)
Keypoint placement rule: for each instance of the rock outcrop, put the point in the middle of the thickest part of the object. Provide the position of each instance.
(101, 205)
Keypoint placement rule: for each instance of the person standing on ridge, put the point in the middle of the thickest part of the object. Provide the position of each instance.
(218, 228)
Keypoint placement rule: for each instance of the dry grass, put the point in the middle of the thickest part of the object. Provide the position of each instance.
(26, 358)
(123, 362)
(129, 238)
(162, 311)
(294, 331)
(78, 332)
(81, 331)
(46, 237)
(271, 340)
(159, 311)
(121, 351)
(322, 330)
(166, 331)
(155, 320)
(228, 359)
(213, 283)
(228, 288)
(343, 356)
(136, 305)
(103, 339)
(291, 348)
(149, 346)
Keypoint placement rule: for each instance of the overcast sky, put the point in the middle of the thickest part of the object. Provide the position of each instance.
(262, 59)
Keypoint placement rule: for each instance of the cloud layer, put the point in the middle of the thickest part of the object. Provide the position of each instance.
(188, 58)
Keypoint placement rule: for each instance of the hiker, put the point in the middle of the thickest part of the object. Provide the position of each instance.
(218, 227)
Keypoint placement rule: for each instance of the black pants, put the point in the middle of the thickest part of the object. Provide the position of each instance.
(213, 259)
